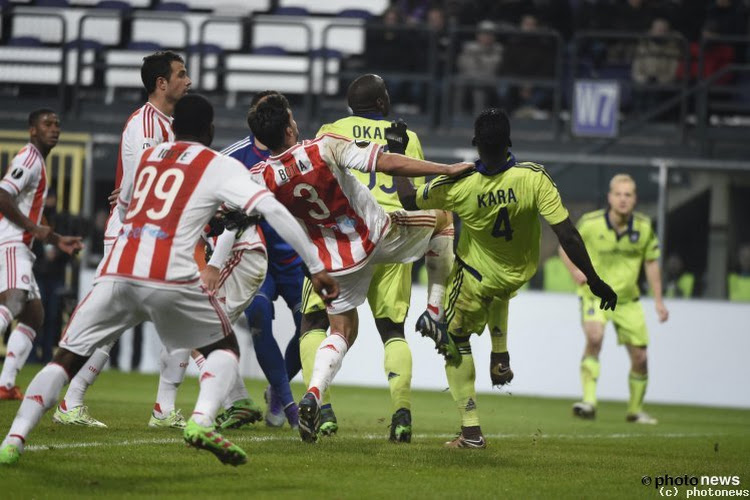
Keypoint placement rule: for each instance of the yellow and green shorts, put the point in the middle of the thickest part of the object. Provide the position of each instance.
(628, 318)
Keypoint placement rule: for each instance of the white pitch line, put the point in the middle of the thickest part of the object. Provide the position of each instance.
(373, 437)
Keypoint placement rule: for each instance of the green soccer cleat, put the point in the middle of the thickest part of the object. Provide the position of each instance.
(76, 416)
(174, 420)
(438, 332)
(328, 423)
(206, 438)
(9, 454)
(243, 411)
(401, 426)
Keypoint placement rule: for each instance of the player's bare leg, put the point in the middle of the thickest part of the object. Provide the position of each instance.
(328, 359)
(30, 317)
(638, 381)
(590, 367)
(438, 262)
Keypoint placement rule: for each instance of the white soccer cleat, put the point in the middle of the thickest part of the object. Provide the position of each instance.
(584, 410)
(641, 418)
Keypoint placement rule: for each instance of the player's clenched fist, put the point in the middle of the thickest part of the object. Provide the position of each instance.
(325, 286)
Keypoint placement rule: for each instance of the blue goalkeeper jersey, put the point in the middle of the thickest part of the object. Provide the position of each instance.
(281, 255)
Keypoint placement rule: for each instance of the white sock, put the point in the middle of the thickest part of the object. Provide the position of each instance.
(328, 361)
(6, 318)
(86, 376)
(19, 346)
(237, 390)
(172, 368)
(438, 261)
(217, 376)
(199, 359)
(41, 395)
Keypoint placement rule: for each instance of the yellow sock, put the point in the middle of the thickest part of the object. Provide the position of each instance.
(499, 340)
(637, 383)
(461, 383)
(589, 375)
(397, 365)
(309, 343)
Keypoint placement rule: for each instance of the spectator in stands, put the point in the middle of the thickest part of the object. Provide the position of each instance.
(531, 57)
(556, 276)
(480, 59)
(739, 283)
(656, 61)
(415, 11)
(716, 55)
(632, 16)
(677, 281)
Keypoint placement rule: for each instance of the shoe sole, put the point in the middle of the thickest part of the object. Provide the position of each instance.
(505, 378)
(227, 458)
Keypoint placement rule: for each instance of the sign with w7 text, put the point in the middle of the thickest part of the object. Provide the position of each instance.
(596, 104)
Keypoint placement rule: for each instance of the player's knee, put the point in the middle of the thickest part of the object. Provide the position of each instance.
(389, 330)
(443, 219)
(260, 309)
(70, 361)
(15, 300)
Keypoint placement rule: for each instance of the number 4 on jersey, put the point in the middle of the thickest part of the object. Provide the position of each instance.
(502, 228)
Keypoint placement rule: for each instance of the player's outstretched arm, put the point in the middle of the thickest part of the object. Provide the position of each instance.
(396, 164)
(572, 243)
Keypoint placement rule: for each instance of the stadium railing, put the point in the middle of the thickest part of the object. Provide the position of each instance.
(453, 81)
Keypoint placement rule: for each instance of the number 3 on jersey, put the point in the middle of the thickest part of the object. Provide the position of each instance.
(502, 228)
(310, 195)
(165, 189)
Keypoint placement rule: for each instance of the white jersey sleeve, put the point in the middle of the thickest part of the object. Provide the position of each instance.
(21, 173)
(356, 155)
(238, 190)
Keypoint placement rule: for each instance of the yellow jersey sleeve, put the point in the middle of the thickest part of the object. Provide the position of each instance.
(438, 193)
(549, 202)
(652, 250)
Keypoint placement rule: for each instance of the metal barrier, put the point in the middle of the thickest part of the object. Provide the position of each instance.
(69, 167)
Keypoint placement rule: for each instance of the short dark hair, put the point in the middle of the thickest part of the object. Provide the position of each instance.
(260, 95)
(492, 129)
(35, 115)
(269, 120)
(193, 116)
(158, 64)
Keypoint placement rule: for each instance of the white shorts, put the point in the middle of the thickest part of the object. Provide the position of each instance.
(185, 316)
(405, 241)
(16, 262)
(240, 280)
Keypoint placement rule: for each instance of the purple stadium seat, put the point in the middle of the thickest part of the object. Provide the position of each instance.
(355, 14)
(269, 50)
(25, 41)
(291, 11)
(172, 7)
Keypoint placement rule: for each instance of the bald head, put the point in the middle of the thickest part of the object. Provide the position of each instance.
(368, 94)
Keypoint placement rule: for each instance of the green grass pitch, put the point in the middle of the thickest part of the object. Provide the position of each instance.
(536, 450)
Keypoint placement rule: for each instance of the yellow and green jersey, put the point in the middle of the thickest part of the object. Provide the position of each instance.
(500, 229)
(618, 258)
(373, 130)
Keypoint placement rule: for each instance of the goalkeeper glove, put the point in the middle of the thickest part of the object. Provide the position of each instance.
(397, 137)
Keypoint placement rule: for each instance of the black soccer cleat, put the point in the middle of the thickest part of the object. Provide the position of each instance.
(401, 426)
(438, 332)
(309, 418)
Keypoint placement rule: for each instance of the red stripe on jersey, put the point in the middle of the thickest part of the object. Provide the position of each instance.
(317, 238)
(35, 214)
(118, 173)
(373, 159)
(164, 133)
(193, 173)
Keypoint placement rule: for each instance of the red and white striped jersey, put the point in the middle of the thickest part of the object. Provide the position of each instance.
(145, 128)
(338, 212)
(26, 181)
(178, 187)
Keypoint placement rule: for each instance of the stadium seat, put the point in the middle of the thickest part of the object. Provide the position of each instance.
(122, 68)
(355, 14)
(251, 73)
(136, 4)
(206, 78)
(226, 33)
(168, 30)
(172, 7)
(291, 11)
(114, 5)
(26, 64)
(291, 32)
(234, 7)
(47, 25)
(375, 7)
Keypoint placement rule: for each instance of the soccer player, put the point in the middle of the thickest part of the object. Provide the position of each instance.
(499, 202)
(621, 241)
(150, 273)
(166, 80)
(351, 231)
(390, 289)
(22, 194)
(283, 279)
